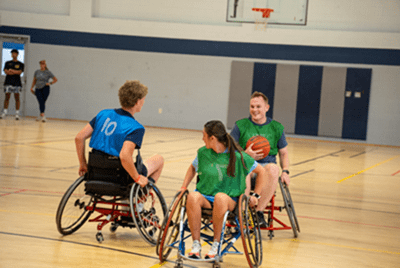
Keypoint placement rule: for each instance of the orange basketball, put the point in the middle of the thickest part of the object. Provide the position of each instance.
(260, 142)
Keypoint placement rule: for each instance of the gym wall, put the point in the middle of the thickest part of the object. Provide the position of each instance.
(186, 61)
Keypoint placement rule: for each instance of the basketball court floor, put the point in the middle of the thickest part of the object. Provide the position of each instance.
(346, 197)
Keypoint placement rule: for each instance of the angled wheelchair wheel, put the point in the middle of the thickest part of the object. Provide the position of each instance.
(148, 210)
(71, 212)
(287, 199)
(170, 227)
(250, 232)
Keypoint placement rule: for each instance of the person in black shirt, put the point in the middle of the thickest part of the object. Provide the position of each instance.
(12, 83)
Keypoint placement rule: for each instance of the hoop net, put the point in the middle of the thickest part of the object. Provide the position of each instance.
(261, 20)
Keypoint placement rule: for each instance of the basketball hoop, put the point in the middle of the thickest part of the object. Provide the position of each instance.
(261, 22)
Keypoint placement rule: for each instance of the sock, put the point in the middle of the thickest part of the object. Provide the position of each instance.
(5, 111)
(17, 112)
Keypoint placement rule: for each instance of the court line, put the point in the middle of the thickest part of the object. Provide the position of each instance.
(362, 171)
(79, 243)
(319, 157)
(341, 221)
(302, 173)
(396, 173)
(343, 246)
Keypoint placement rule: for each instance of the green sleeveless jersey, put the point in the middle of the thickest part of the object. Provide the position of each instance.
(213, 177)
(272, 131)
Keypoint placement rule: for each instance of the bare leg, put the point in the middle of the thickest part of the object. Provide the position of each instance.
(7, 100)
(270, 186)
(154, 166)
(17, 102)
(195, 201)
(222, 203)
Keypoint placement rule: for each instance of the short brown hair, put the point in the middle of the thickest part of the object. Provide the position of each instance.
(131, 92)
(257, 94)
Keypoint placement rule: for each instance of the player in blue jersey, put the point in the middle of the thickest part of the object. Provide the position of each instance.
(116, 132)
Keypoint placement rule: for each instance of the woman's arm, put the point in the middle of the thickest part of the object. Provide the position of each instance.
(52, 83)
(190, 173)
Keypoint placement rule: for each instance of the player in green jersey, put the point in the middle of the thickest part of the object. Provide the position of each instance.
(259, 124)
(222, 167)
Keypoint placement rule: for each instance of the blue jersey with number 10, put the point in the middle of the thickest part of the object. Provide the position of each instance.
(110, 130)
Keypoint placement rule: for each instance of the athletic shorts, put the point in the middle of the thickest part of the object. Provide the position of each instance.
(12, 89)
(211, 198)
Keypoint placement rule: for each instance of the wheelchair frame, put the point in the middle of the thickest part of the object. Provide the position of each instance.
(77, 205)
(243, 222)
(288, 206)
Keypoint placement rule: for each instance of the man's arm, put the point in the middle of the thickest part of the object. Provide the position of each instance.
(126, 156)
(80, 139)
(284, 163)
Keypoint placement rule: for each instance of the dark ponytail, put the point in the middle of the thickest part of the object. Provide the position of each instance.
(217, 129)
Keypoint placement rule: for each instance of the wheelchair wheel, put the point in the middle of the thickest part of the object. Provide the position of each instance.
(289, 208)
(250, 232)
(71, 212)
(148, 210)
(170, 227)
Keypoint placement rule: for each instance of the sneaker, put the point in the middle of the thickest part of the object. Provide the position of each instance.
(44, 119)
(16, 117)
(261, 219)
(195, 253)
(213, 251)
(2, 115)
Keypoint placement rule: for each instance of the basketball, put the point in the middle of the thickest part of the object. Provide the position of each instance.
(260, 142)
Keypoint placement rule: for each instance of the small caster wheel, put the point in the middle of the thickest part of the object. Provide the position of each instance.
(113, 228)
(178, 264)
(271, 234)
(216, 265)
(99, 237)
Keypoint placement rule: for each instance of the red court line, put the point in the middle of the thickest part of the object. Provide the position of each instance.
(360, 223)
(396, 173)
(25, 190)
(16, 192)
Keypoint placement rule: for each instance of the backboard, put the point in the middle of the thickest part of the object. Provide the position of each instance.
(286, 12)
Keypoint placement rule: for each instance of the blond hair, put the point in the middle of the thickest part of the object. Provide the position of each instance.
(43, 61)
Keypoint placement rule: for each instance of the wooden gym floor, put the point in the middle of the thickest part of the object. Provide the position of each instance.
(346, 197)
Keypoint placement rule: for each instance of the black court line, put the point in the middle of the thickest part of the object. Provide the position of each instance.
(79, 243)
(358, 154)
(302, 173)
(319, 157)
(88, 245)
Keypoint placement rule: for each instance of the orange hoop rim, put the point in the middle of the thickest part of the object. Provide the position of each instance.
(266, 12)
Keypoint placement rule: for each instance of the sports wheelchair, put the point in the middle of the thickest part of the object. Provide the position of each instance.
(109, 190)
(288, 206)
(242, 222)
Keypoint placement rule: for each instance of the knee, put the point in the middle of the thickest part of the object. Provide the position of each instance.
(193, 198)
(272, 171)
(221, 200)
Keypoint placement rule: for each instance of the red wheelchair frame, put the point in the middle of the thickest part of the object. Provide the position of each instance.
(288, 205)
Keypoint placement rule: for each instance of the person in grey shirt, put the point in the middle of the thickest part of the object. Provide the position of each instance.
(41, 82)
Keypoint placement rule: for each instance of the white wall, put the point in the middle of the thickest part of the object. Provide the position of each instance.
(193, 89)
